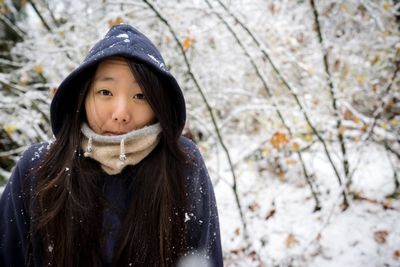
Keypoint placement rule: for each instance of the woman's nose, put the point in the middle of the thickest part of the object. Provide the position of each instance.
(121, 112)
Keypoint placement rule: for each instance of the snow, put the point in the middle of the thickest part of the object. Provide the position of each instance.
(187, 218)
(122, 35)
(293, 234)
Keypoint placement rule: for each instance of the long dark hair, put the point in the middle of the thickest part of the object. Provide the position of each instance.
(67, 200)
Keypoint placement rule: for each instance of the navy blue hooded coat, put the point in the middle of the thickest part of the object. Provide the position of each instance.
(203, 226)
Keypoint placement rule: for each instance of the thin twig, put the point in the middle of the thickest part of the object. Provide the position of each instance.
(11, 152)
(395, 176)
(45, 24)
(53, 18)
(346, 166)
(11, 26)
(390, 149)
(386, 92)
(10, 63)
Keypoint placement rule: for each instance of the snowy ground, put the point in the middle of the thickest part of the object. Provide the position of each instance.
(284, 230)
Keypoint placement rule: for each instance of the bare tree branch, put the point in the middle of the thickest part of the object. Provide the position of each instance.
(12, 27)
(210, 111)
(386, 92)
(45, 24)
(339, 132)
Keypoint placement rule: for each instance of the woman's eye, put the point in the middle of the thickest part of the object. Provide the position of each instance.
(104, 92)
(139, 96)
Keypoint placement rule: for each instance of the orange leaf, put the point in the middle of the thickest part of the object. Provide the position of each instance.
(341, 130)
(291, 241)
(281, 174)
(279, 139)
(188, 42)
(296, 146)
(291, 161)
(374, 88)
(386, 6)
(381, 236)
(396, 254)
(348, 115)
(364, 128)
(38, 69)
(237, 231)
(10, 129)
(254, 206)
(387, 203)
(389, 105)
(116, 21)
(203, 148)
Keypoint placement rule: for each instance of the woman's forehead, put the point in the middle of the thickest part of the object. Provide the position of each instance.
(114, 61)
(114, 67)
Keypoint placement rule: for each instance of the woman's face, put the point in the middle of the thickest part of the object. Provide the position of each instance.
(115, 104)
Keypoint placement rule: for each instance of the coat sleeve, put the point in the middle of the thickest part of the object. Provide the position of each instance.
(202, 219)
(14, 219)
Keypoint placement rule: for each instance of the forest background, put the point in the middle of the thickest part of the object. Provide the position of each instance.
(295, 105)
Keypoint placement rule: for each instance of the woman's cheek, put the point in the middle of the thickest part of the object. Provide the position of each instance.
(93, 114)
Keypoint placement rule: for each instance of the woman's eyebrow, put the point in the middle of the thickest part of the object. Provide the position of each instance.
(109, 78)
(104, 79)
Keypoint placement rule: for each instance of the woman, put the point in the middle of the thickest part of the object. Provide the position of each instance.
(119, 186)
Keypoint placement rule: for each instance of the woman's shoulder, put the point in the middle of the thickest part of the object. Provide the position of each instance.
(196, 171)
(186, 142)
(190, 148)
(32, 155)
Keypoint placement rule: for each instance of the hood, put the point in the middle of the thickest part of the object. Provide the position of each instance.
(121, 40)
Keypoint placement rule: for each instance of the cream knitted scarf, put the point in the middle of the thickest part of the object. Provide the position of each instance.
(116, 152)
